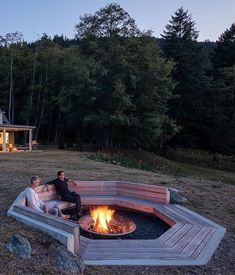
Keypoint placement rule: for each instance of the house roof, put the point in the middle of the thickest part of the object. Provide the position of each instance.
(10, 127)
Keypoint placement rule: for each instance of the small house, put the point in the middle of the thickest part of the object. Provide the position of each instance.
(9, 131)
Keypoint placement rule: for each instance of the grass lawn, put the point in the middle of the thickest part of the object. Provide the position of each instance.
(209, 192)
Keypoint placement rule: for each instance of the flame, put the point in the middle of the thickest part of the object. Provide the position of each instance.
(102, 215)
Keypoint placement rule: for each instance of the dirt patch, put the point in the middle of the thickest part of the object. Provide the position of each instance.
(213, 200)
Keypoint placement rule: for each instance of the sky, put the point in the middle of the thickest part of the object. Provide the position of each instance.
(34, 17)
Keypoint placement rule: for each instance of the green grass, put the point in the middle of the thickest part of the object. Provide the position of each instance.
(152, 162)
(208, 173)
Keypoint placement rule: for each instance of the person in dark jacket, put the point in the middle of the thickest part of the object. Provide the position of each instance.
(61, 185)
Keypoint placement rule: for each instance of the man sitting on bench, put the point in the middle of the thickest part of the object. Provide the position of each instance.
(61, 185)
(34, 202)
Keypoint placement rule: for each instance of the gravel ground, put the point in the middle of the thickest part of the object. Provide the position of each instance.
(214, 200)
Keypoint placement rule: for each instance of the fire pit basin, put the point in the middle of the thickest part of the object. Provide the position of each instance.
(118, 226)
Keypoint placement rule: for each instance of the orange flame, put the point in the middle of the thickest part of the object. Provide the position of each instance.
(102, 215)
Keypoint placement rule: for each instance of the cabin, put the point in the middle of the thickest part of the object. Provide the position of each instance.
(9, 131)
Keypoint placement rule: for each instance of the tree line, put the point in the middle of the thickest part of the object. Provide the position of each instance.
(115, 85)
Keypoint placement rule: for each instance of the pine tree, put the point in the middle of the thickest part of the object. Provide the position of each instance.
(221, 95)
(180, 45)
(224, 55)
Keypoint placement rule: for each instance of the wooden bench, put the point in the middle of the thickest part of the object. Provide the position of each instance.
(191, 239)
(92, 193)
(53, 196)
(66, 232)
(98, 191)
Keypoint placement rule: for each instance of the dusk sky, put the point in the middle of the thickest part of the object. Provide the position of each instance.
(34, 17)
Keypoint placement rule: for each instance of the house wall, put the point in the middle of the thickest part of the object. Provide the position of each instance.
(10, 139)
(1, 137)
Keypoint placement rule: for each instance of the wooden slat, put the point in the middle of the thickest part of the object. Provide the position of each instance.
(170, 220)
(174, 239)
(174, 214)
(170, 232)
(62, 204)
(96, 191)
(195, 241)
(125, 243)
(200, 247)
(98, 200)
(151, 192)
(51, 222)
(95, 183)
(157, 197)
(141, 186)
(187, 237)
(194, 218)
(51, 187)
(94, 188)
(45, 196)
(135, 206)
(84, 242)
(49, 219)
(158, 255)
(130, 249)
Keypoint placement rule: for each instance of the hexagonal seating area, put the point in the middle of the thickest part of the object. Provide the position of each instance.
(191, 240)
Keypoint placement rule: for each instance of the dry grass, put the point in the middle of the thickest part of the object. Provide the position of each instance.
(213, 200)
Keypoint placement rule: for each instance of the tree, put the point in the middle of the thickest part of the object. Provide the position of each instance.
(224, 54)
(110, 21)
(130, 84)
(181, 46)
(12, 41)
(220, 115)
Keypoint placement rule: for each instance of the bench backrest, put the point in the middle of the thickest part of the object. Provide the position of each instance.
(94, 188)
(149, 192)
(154, 193)
(44, 195)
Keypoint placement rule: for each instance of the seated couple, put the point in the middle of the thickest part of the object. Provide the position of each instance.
(61, 185)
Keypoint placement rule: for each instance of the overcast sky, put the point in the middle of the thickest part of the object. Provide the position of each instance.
(34, 17)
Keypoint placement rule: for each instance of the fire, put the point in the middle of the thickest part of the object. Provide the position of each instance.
(102, 215)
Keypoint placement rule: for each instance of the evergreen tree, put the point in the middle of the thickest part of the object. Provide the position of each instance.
(186, 108)
(224, 54)
(221, 95)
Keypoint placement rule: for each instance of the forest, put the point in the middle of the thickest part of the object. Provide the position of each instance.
(114, 85)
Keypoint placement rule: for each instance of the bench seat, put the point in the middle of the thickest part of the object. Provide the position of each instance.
(53, 196)
(191, 239)
(62, 204)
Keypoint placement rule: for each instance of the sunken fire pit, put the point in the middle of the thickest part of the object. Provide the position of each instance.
(103, 221)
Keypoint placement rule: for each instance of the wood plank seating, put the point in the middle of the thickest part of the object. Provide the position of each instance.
(97, 191)
(52, 195)
(191, 239)
(64, 231)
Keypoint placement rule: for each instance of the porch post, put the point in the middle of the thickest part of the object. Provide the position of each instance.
(30, 140)
(4, 147)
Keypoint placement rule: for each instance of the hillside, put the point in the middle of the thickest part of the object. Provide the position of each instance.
(213, 199)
